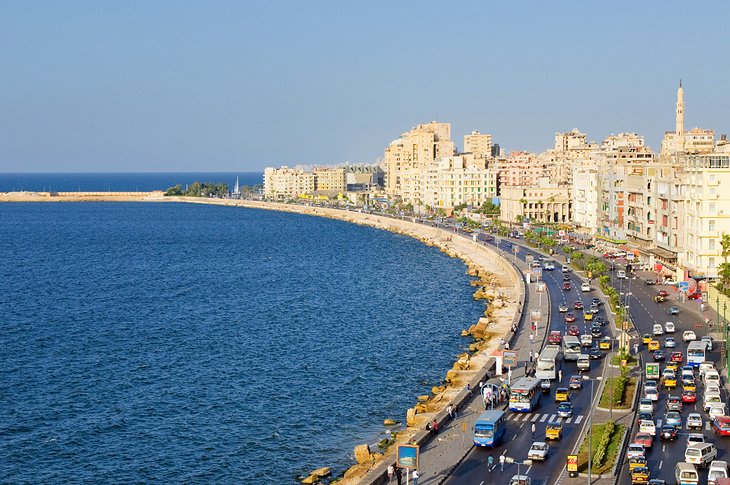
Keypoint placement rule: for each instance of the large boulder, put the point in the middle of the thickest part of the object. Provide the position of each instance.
(362, 453)
(410, 416)
(389, 422)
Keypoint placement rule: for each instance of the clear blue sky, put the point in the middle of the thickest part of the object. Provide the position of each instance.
(239, 85)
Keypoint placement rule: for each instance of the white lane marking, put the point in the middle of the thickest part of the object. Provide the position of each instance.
(661, 462)
(664, 447)
(528, 470)
(521, 425)
(535, 417)
(707, 426)
(579, 419)
(552, 418)
(513, 437)
(567, 421)
(658, 423)
(544, 418)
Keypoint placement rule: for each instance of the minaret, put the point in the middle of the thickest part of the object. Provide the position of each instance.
(680, 111)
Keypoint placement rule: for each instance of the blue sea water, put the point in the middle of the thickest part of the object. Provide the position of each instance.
(203, 344)
(118, 182)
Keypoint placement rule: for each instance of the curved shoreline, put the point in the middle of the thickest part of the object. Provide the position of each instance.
(483, 262)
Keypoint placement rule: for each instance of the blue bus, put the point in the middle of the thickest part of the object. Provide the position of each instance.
(489, 428)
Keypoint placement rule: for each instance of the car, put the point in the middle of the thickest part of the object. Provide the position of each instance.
(566, 286)
(566, 277)
(553, 431)
(578, 305)
(594, 354)
(659, 299)
(689, 385)
(674, 403)
(574, 331)
(594, 309)
(659, 355)
(586, 341)
(562, 308)
(712, 388)
(673, 418)
(599, 321)
(653, 345)
(716, 410)
(549, 266)
(705, 366)
(584, 362)
(569, 317)
(669, 327)
(644, 415)
(695, 438)
(585, 287)
(564, 268)
(669, 433)
(555, 337)
(672, 365)
(688, 371)
(645, 439)
(596, 331)
(673, 310)
(565, 409)
(646, 405)
(639, 475)
(718, 469)
(670, 343)
(669, 379)
(649, 281)
(637, 462)
(635, 450)
(710, 400)
(689, 336)
(650, 384)
(721, 425)
(646, 338)
(587, 316)
(676, 357)
(663, 293)
(651, 393)
(658, 329)
(538, 451)
(708, 341)
(545, 386)
(596, 301)
(520, 480)
(657, 481)
(605, 343)
(689, 397)
(576, 382)
(694, 421)
(620, 274)
(562, 394)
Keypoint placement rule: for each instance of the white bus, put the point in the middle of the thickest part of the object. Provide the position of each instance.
(696, 353)
(571, 347)
(547, 363)
(524, 395)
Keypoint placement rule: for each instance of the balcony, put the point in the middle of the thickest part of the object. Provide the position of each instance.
(708, 233)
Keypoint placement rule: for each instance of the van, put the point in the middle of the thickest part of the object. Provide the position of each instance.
(584, 362)
(712, 377)
(711, 398)
(686, 474)
(718, 469)
(700, 454)
(705, 366)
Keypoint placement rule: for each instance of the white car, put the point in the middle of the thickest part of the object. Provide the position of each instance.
(585, 287)
(651, 393)
(694, 421)
(708, 341)
(669, 327)
(538, 451)
(689, 336)
(712, 389)
(620, 274)
(716, 411)
(718, 469)
(549, 266)
(647, 426)
(658, 330)
(646, 405)
(635, 450)
(710, 400)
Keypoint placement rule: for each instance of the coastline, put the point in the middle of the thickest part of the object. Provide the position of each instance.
(495, 279)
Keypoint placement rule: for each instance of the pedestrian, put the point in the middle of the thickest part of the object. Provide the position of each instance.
(490, 460)
(560, 375)
(530, 356)
(537, 355)
(468, 389)
(415, 476)
(450, 410)
(501, 341)
(501, 462)
(391, 472)
(506, 346)
(399, 475)
(532, 337)
(533, 326)
(533, 431)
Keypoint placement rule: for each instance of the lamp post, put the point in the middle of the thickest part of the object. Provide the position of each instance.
(590, 435)
(509, 459)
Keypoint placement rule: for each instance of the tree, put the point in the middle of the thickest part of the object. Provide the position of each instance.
(174, 191)
(724, 269)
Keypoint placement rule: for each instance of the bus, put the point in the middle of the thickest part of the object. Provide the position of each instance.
(696, 353)
(489, 428)
(524, 395)
(571, 347)
(547, 363)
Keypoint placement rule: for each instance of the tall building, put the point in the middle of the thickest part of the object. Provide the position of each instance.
(479, 144)
(542, 202)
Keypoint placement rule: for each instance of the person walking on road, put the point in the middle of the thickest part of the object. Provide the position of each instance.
(391, 472)
(533, 431)
(501, 462)
(415, 476)
(490, 460)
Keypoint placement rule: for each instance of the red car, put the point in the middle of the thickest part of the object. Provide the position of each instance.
(607, 255)
(555, 337)
(645, 439)
(566, 286)
(569, 317)
(578, 305)
(689, 397)
(721, 425)
(676, 357)
(574, 331)
(663, 293)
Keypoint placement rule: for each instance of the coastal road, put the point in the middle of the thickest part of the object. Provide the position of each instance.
(473, 469)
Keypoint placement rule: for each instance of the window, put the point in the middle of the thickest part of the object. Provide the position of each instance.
(712, 207)
(711, 244)
(711, 225)
(711, 262)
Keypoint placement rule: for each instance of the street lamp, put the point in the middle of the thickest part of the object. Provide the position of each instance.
(509, 459)
(590, 435)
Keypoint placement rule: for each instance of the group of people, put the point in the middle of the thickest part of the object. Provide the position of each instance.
(490, 462)
(397, 472)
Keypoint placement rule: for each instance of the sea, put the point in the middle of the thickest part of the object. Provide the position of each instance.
(184, 343)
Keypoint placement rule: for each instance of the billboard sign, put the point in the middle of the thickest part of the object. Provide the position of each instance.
(509, 358)
(407, 456)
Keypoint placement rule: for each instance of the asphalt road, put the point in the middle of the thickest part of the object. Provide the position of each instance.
(473, 469)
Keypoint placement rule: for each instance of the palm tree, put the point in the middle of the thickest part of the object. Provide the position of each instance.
(523, 203)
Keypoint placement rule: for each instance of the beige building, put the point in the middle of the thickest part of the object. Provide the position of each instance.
(330, 180)
(520, 169)
(544, 202)
(478, 144)
(585, 198)
(459, 180)
(287, 182)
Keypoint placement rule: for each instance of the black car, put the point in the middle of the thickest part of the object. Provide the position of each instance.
(645, 417)
(594, 354)
(596, 331)
(657, 481)
(669, 432)
(600, 321)
(659, 355)
(596, 301)
(649, 281)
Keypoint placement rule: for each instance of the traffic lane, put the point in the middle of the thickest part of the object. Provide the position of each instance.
(473, 470)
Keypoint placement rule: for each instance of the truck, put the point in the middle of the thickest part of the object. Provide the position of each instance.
(547, 363)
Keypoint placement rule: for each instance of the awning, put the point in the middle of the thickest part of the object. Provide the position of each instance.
(663, 253)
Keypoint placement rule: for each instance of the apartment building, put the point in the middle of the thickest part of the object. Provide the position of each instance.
(287, 182)
(543, 202)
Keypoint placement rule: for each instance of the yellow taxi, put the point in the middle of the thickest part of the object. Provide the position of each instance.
(637, 462)
(588, 316)
(605, 343)
(646, 338)
(553, 431)
(669, 379)
(689, 385)
(561, 394)
(673, 366)
(653, 345)
(639, 475)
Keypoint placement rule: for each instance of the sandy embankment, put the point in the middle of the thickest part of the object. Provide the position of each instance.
(497, 279)
(154, 196)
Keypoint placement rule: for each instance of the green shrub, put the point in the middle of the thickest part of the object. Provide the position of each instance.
(602, 447)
